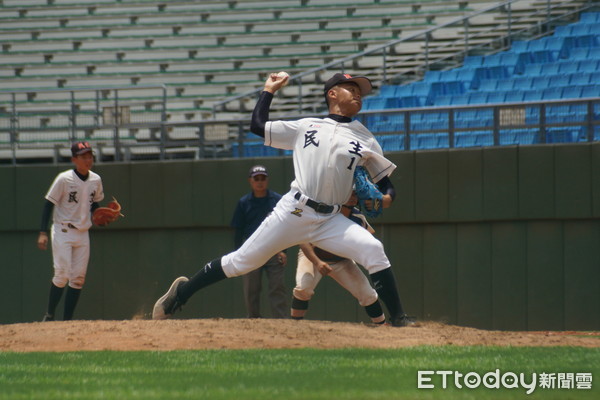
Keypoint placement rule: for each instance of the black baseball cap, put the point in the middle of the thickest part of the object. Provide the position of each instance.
(79, 148)
(363, 82)
(258, 170)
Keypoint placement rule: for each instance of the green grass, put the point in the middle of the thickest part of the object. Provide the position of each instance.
(285, 374)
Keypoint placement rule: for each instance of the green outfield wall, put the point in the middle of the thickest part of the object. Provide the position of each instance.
(495, 238)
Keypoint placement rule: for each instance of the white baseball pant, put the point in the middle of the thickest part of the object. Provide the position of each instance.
(345, 272)
(71, 253)
(291, 223)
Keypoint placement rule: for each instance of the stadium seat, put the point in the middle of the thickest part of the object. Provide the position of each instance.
(391, 142)
(572, 92)
(518, 136)
(591, 91)
(589, 17)
(388, 90)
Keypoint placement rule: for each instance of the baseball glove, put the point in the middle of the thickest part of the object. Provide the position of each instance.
(367, 190)
(103, 216)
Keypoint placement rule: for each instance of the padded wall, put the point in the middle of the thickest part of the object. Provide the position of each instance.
(498, 238)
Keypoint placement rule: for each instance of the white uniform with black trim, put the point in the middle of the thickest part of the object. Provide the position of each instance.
(72, 199)
(325, 154)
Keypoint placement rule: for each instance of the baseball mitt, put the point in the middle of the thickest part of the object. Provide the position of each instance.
(367, 190)
(103, 216)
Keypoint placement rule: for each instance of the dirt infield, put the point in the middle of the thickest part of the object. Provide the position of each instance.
(261, 333)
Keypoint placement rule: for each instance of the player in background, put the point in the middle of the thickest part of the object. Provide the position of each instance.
(71, 199)
(326, 151)
(250, 211)
(314, 263)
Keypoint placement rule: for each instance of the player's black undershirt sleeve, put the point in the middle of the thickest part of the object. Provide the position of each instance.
(386, 187)
(46, 212)
(260, 114)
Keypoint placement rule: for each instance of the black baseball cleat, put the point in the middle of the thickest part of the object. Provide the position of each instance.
(166, 306)
(403, 320)
(48, 317)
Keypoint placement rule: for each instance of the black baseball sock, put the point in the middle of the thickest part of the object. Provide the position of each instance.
(54, 298)
(300, 306)
(385, 285)
(374, 310)
(71, 299)
(211, 273)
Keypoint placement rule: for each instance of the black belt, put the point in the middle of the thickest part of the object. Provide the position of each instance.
(318, 207)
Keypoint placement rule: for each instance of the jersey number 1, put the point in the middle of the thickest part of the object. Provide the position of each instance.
(351, 162)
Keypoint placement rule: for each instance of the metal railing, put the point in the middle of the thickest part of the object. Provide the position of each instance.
(49, 117)
(552, 121)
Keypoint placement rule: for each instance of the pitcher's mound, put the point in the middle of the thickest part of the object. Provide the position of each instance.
(261, 333)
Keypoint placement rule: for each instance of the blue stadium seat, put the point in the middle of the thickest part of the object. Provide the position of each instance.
(594, 53)
(533, 70)
(562, 135)
(595, 77)
(536, 45)
(550, 69)
(496, 97)
(533, 95)
(374, 103)
(473, 61)
(519, 46)
(488, 85)
(540, 82)
(556, 46)
(492, 60)
(580, 53)
(583, 41)
(587, 66)
(582, 29)
(473, 139)
(496, 72)
(404, 90)
(572, 92)
(477, 98)
(568, 67)
(460, 99)
(468, 76)
(560, 80)
(515, 96)
(518, 136)
(407, 102)
(589, 17)
(444, 100)
(464, 139)
(447, 87)
(420, 88)
(423, 141)
(432, 76)
(579, 79)
(524, 83)
(541, 56)
(553, 93)
(591, 91)
(388, 90)
(391, 142)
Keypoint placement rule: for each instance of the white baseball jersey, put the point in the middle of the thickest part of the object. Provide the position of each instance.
(325, 155)
(73, 198)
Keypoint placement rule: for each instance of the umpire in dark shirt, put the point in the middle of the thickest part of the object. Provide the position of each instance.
(251, 210)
